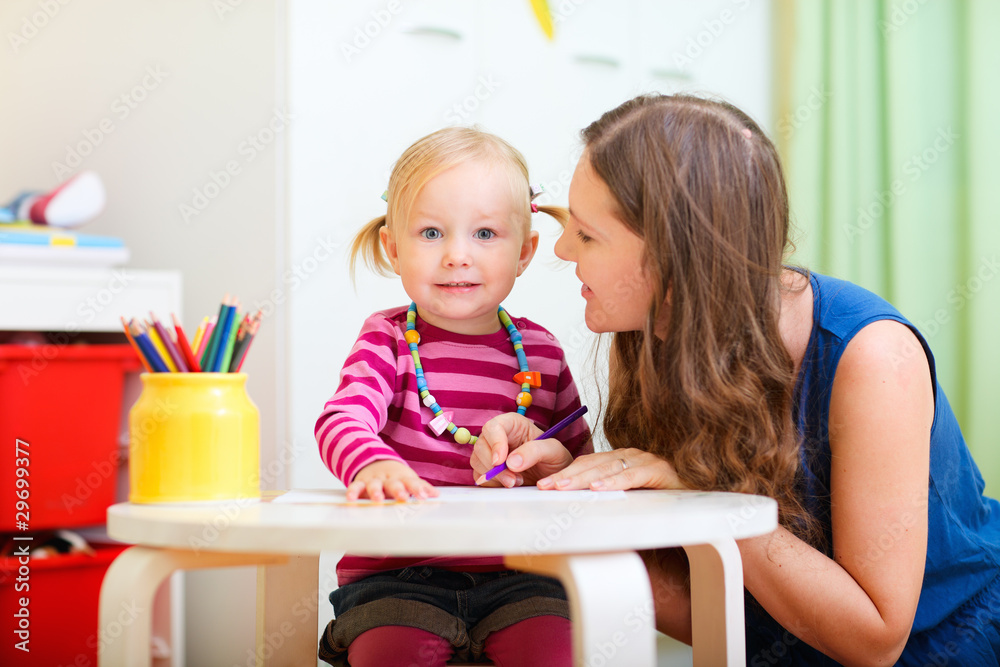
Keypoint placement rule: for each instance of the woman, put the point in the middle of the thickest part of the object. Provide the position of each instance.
(746, 375)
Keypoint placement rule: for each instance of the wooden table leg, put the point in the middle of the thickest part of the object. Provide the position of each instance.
(125, 614)
(611, 604)
(287, 605)
(718, 632)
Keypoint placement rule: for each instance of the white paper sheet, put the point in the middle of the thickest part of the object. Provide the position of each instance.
(462, 494)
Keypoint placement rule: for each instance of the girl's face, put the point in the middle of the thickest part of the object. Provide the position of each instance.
(608, 256)
(461, 249)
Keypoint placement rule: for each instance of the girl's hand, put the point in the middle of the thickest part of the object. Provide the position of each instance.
(509, 438)
(617, 469)
(388, 478)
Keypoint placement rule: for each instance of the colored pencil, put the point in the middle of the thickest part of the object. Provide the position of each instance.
(142, 338)
(185, 347)
(243, 339)
(222, 339)
(154, 338)
(227, 354)
(213, 342)
(135, 345)
(249, 339)
(199, 332)
(220, 342)
(168, 342)
(205, 336)
(241, 342)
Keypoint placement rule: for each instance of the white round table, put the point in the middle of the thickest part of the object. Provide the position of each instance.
(585, 539)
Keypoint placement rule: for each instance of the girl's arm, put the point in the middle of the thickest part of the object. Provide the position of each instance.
(859, 606)
(510, 437)
(503, 434)
(388, 478)
(347, 429)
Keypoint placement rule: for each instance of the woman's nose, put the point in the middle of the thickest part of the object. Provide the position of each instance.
(564, 246)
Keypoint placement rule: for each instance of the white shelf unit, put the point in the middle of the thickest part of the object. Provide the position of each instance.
(83, 300)
(71, 299)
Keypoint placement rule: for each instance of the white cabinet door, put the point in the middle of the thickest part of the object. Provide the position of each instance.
(716, 47)
(366, 80)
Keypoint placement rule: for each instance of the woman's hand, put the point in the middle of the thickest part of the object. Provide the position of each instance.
(388, 478)
(510, 438)
(618, 469)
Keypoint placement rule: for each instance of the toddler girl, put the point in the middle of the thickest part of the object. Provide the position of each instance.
(414, 393)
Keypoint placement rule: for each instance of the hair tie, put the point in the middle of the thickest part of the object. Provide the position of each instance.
(534, 207)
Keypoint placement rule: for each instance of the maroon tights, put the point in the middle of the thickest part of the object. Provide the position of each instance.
(542, 640)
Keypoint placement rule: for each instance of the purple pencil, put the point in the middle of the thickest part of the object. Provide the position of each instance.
(566, 421)
(168, 343)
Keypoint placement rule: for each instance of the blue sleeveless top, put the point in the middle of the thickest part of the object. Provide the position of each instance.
(959, 607)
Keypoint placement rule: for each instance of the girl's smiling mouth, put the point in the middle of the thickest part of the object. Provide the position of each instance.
(457, 287)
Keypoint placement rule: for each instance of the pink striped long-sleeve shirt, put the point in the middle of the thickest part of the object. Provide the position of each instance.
(377, 413)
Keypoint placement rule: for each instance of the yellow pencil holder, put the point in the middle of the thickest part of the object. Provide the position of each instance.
(193, 437)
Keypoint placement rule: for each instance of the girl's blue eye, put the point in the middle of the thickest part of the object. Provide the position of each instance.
(583, 237)
(431, 234)
(484, 234)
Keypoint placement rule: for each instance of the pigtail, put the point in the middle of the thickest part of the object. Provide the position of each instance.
(560, 213)
(367, 246)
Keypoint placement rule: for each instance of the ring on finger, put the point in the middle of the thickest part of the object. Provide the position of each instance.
(624, 464)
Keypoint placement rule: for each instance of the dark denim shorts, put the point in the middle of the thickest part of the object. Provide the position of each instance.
(462, 607)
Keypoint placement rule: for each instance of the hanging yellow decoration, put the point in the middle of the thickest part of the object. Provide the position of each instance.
(541, 9)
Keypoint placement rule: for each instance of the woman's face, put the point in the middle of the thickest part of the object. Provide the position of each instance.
(607, 254)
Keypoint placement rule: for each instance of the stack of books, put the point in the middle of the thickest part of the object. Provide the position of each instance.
(27, 243)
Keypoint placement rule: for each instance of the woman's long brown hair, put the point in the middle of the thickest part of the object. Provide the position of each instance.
(710, 381)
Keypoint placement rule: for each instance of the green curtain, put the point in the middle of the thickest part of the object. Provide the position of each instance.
(886, 118)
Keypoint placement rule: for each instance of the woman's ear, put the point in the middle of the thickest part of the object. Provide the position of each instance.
(389, 245)
(528, 249)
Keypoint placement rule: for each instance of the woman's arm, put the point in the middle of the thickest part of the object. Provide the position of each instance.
(859, 606)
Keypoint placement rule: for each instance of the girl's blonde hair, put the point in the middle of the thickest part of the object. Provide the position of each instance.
(425, 159)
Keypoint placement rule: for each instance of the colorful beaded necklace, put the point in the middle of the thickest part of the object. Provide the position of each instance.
(442, 420)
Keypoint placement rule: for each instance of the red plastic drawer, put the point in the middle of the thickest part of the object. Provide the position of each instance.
(65, 402)
(59, 620)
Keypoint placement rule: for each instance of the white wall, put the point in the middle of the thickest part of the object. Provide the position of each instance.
(368, 78)
(157, 96)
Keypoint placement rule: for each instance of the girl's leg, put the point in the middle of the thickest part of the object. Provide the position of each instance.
(398, 646)
(545, 641)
